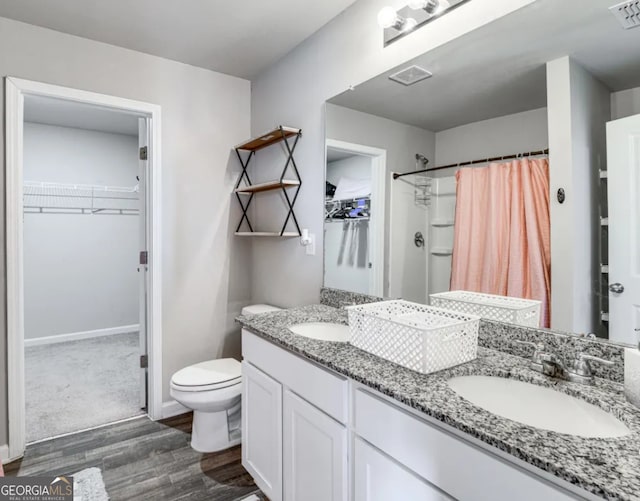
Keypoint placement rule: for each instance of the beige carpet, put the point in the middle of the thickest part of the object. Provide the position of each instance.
(81, 384)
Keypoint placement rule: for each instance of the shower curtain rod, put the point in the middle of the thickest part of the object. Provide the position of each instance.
(479, 161)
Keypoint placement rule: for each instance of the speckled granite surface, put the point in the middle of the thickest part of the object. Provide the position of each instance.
(606, 467)
(339, 298)
(501, 336)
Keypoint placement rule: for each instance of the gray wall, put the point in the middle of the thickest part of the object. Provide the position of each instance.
(79, 270)
(625, 103)
(347, 51)
(578, 108)
(206, 271)
(527, 131)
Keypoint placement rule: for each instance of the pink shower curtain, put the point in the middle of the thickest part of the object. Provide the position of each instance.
(502, 231)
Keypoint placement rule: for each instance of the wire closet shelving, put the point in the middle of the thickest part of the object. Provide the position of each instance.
(63, 198)
(355, 209)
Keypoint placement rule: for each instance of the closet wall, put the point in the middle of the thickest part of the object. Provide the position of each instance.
(354, 167)
(80, 270)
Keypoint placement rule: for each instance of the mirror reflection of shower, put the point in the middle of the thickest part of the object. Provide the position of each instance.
(422, 183)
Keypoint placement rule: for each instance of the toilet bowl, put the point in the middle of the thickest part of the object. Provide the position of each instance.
(213, 391)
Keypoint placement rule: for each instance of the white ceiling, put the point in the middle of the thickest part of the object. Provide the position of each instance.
(500, 69)
(50, 111)
(335, 155)
(240, 38)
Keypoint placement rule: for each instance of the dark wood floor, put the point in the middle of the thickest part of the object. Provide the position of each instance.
(143, 460)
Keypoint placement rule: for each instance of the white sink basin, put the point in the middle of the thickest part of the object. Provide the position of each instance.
(323, 331)
(538, 406)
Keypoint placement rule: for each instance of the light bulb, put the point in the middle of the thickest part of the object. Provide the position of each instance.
(387, 17)
(444, 5)
(409, 24)
(418, 4)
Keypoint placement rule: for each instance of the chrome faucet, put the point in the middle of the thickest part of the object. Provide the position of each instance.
(543, 362)
(578, 370)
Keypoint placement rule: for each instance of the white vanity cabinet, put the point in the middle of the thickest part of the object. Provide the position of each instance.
(311, 434)
(377, 477)
(442, 460)
(314, 453)
(262, 430)
(294, 431)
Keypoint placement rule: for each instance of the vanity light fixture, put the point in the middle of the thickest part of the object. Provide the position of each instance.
(399, 23)
(389, 18)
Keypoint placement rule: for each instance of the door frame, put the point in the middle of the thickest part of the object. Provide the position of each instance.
(15, 91)
(378, 158)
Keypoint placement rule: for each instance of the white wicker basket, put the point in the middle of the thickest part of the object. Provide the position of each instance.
(501, 308)
(416, 336)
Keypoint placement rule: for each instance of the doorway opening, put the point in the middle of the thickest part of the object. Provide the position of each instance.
(354, 229)
(82, 247)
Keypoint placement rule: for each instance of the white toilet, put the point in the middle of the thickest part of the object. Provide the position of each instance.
(212, 390)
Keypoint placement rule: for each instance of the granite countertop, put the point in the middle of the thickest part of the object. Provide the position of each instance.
(606, 467)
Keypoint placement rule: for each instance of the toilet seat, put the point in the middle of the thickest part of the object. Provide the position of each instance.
(207, 376)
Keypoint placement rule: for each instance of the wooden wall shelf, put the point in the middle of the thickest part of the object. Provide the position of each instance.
(268, 138)
(289, 137)
(267, 186)
(289, 234)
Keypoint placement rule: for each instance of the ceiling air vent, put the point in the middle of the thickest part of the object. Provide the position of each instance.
(412, 74)
(627, 13)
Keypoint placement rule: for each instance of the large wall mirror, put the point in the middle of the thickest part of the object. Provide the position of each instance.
(513, 169)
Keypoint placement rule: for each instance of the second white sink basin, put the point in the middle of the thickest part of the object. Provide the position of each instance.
(323, 331)
(538, 406)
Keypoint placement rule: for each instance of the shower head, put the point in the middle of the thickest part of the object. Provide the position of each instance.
(422, 158)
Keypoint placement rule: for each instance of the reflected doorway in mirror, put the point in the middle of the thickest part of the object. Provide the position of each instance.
(355, 179)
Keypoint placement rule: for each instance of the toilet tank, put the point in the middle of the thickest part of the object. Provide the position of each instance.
(254, 309)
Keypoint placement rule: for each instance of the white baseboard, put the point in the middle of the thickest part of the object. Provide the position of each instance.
(75, 336)
(173, 408)
(4, 454)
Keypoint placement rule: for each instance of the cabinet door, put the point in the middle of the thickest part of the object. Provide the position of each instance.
(262, 430)
(377, 477)
(315, 453)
